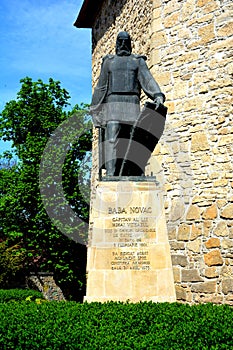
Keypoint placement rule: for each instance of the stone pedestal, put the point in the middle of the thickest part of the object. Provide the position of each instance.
(129, 254)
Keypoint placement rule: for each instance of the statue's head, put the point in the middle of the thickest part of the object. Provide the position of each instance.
(123, 44)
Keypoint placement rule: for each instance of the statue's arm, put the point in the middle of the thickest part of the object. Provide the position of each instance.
(102, 84)
(148, 83)
(99, 94)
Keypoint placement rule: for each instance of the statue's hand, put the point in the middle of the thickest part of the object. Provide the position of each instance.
(97, 117)
(93, 110)
(158, 100)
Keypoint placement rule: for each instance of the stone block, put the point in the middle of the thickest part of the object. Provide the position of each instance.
(221, 45)
(171, 7)
(190, 276)
(213, 258)
(201, 3)
(162, 254)
(159, 39)
(180, 89)
(146, 289)
(210, 213)
(231, 232)
(227, 271)
(188, 9)
(164, 78)
(185, 33)
(225, 29)
(193, 213)
(220, 183)
(180, 293)
(180, 260)
(211, 6)
(211, 272)
(229, 300)
(195, 232)
(188, 57)
(177, 274)
(204, 287)
(220, 83)
(212, 243)
(128, 253)
(177, 245)
(227, 212)
(183, 232)
(156, 4)
(96, 281)
(221, 229)
(156, 13)
(195, 246)
(214, 299)
(171, 20)
(172, 233)
(227, 285)
(165, 290)
(206, 33)
(199, 142)
(227, 243)
(177, 210)
(156, 24)
(171, 108)
(201, 201)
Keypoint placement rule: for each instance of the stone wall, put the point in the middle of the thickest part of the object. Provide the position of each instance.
(189, 48)
(132, 16)
(45, 283)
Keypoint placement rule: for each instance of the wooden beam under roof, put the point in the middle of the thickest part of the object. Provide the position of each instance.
(88, 13)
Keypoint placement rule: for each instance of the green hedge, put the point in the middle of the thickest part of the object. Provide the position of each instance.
(115, 326)
(7, 295)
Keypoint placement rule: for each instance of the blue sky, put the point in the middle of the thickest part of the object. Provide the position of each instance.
(38, 39)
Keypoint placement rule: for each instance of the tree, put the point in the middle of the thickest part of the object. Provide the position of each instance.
(29, 122)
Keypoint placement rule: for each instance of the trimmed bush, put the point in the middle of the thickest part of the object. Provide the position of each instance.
(7, 295)
(115, 326)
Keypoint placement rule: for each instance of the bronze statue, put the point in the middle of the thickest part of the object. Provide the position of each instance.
(115, 109)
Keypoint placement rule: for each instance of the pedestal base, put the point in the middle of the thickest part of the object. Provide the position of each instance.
(129, 254)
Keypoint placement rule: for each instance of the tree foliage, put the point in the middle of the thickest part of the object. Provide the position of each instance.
(11, 261)
(29, 122)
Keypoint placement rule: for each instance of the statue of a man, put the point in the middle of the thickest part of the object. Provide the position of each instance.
(116, 103)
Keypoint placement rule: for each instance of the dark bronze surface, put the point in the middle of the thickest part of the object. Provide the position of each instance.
(127, 136)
